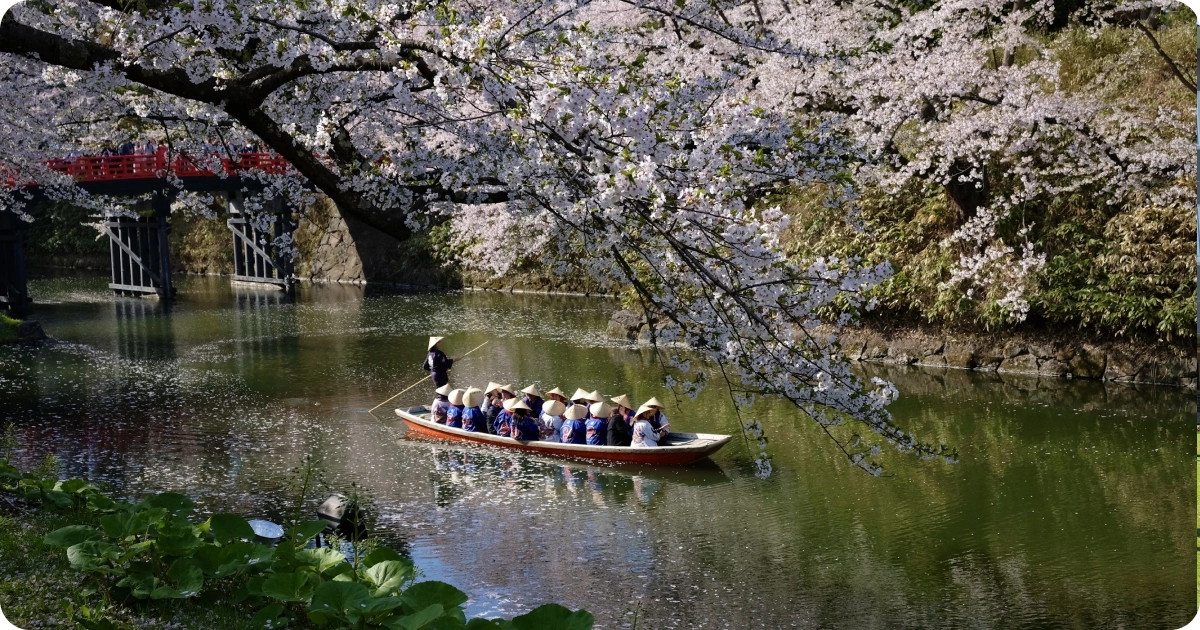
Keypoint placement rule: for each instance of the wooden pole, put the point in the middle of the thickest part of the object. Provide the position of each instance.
(406, 389)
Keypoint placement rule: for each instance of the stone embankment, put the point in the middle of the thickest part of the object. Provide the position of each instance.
(28, 331)
(1021, 354)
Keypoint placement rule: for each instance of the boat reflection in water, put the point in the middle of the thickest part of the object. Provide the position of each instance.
(454, 469)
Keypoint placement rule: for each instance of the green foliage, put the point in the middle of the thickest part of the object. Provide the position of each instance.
(151, 551)
(8, 328)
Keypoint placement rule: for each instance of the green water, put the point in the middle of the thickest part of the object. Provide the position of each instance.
(1071, 507)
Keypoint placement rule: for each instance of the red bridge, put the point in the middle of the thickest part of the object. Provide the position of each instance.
(138, 245)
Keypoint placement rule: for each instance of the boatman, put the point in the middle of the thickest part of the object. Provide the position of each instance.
(437, 363)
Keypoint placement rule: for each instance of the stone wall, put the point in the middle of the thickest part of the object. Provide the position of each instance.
(1040, 355)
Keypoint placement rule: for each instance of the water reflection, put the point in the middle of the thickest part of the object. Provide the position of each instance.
(1072, 504)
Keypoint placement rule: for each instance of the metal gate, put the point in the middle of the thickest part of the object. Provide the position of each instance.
(141, 262)
(255, 255)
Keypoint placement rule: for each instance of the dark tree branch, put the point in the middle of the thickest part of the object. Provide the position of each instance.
(1188, 83)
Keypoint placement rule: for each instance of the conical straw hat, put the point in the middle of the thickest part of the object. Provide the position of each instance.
(473, 397)
(575, 412)
(653, 402)
(508, 404)
(456, 397)
(444, 390)
(643, 409)
(433, 341)
(555, 391)
(509, 388)
(595, 396)
(519, 404)
(492, 386)
(532, 390)
(622, 400)
(601, 410)
(553, 408)
(579, 393)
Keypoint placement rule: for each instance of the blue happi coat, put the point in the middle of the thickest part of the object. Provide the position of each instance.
(472, 419)
(503, 423)
(454, 416)
(597, 431)
(535, 404)
(525, 429)
(574, 432)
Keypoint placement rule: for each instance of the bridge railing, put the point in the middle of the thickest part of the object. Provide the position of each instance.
(123, 167)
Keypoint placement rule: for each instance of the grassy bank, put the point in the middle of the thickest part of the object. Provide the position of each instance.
(70, 555)
(8, 329)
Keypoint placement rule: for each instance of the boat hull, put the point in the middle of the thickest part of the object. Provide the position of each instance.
(692, 447)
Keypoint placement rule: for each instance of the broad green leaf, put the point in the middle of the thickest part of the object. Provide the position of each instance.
(308, 529)
(238, 556)
(122, 524)
(60, 499)
(140, 584)
(227, 528)
(373, 609)
(554, 617)
(417, 620)
(166, 592)
(177, 544)
(424, 594)
(208, 558)
(73, 486)
(173, 502)
(288, 587)
(320, 559)
(387, 576)
(97, 624)
(187, 577)
(489, 624)
(92, 555)
(268, 617)
(381, 554)
(101, 503)
(152, 515)
(332, 600)
(72, 535)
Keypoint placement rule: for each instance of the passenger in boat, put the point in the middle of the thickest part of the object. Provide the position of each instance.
(574, 430)
(504, 420)
(441, 404)
(437, 363)
(533, 398)
(494, 406)
(580, 397)
(472, 416)
(454, 413)
(524, 427)
(620, 423)
(557, 394)
(597, 425)
(551, 421)
(660, 422)
(644, 433)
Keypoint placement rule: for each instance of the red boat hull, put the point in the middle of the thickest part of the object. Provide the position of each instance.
(661, 456)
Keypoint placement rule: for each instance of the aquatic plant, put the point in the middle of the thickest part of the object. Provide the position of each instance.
(155, 550)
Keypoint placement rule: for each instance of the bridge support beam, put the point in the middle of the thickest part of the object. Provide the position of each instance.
(256, 258)
(14, 291)
(141, 262)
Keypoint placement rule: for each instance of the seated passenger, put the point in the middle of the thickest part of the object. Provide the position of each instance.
(454, 413)
(504, 419)
(557, 394)
(659, 420)
(581, 397)
(644, 434)
(472, 416)
(552, 422)
(597, 425)
(492, 406)
(620, 423)
(533, 398)
(524, 428)
(574, 430)
(441, 404)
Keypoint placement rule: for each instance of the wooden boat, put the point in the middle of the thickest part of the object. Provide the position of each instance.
(677, 450)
